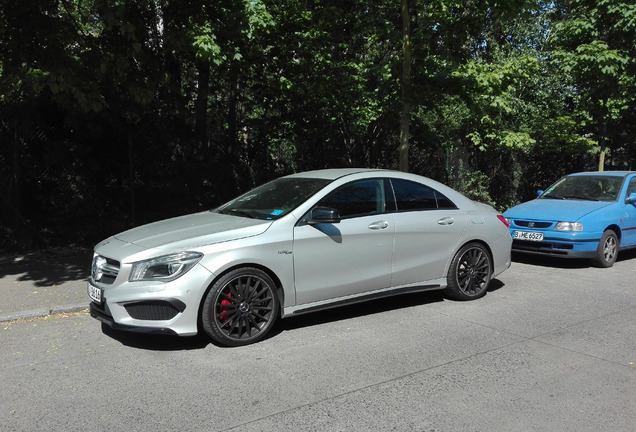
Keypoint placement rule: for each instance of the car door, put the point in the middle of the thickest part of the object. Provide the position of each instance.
(333, 260)
(428, 227)
(628, 218)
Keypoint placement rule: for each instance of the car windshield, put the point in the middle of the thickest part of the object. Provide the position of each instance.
(275, 199)
(590, 188)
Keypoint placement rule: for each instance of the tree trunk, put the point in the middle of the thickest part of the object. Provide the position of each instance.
(406, 87)
(603, 143)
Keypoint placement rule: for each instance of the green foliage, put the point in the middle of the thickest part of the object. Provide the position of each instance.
(113, 112)
(594, 48)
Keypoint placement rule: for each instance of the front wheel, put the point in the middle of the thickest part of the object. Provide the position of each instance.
(607, 250)
(241, 307)
(469, 273)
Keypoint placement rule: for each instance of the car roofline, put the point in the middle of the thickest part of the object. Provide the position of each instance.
(602, 173)
(336, 173)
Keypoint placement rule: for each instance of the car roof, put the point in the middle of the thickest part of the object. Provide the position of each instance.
(336, 173)
(604, 173)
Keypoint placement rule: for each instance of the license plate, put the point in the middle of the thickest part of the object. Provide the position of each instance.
(530, 236)
(95, 293)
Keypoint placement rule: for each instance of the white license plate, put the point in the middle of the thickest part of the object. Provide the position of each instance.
(530, 236)
(95, 293)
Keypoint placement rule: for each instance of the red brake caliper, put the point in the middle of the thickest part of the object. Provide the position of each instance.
(224, 315)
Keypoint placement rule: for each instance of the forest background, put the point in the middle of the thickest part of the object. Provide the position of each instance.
(118, 112)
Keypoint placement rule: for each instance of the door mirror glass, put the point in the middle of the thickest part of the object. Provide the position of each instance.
(325, 215)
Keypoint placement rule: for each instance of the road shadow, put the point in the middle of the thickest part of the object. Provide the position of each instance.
(626, 255)
(154, 342)
(372, 307)
(357, 310)
(48, 267)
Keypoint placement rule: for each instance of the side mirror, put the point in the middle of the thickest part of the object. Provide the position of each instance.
(631, 198)
(325, 215)
(539, 192)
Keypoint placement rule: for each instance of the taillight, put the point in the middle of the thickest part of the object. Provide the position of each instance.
(503, 220)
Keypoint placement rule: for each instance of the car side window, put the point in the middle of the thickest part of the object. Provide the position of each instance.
(358, 198)
(632, 187)
(415, 196)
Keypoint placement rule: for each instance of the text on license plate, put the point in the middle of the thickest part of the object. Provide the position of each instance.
(530, 236)
(94, 293)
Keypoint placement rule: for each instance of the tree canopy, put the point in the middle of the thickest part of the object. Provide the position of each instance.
(118, 112)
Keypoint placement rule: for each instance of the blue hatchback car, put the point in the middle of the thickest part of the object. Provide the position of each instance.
(582, 215)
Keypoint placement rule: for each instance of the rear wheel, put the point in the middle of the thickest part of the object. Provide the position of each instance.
(241, 307)
(607, 250)
(470, 273)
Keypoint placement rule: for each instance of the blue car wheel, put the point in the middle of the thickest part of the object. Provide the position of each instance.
(607, 250)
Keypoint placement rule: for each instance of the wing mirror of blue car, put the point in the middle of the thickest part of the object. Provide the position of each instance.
(631, 198)
(539, 192)
(326, 215)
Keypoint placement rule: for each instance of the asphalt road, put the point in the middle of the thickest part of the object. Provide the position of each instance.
(552, 347)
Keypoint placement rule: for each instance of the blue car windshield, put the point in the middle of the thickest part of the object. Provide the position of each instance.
(275, 199)
(589, 188)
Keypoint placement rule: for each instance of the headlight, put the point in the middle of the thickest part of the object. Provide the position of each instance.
(569, 226)
(166, 268)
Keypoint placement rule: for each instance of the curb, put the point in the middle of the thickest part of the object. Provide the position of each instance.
(43, 312)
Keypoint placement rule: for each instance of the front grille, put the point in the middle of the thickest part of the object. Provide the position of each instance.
(532, 224)
(156, 310)
(104, 270)
(545, 247)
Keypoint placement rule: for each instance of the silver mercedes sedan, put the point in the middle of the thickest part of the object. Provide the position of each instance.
(298, 244)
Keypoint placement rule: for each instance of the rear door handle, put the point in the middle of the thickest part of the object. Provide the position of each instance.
(379, 225)
(446, 221)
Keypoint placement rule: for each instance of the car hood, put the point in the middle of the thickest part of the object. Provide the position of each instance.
(556, 210)
(192, 230)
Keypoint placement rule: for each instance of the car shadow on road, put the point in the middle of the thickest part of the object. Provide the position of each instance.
(356, 310)
(369, 308)
(626, 255)
(154, 342)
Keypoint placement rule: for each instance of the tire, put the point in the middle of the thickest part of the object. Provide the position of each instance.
(469, 273)
(240, 308)
(607, 250)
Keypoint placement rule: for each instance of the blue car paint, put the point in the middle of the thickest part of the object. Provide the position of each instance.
(596, 217)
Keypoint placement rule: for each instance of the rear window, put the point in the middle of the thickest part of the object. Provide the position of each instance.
(411, 196)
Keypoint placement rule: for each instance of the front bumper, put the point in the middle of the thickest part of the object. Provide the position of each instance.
(565, 245)
(100, 313)
(151, 307)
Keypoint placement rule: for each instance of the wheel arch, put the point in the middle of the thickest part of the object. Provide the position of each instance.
(478, 241)
(268, 271)
(617, 231)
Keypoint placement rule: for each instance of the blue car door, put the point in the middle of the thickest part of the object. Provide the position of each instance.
(628, 217)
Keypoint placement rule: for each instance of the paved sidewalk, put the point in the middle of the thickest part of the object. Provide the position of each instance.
(43, 283)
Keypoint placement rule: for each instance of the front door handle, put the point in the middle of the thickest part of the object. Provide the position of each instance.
(446, 221)
(379, 225)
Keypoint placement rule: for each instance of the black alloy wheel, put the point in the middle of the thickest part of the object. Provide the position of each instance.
(241, 307)
(469, 273)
